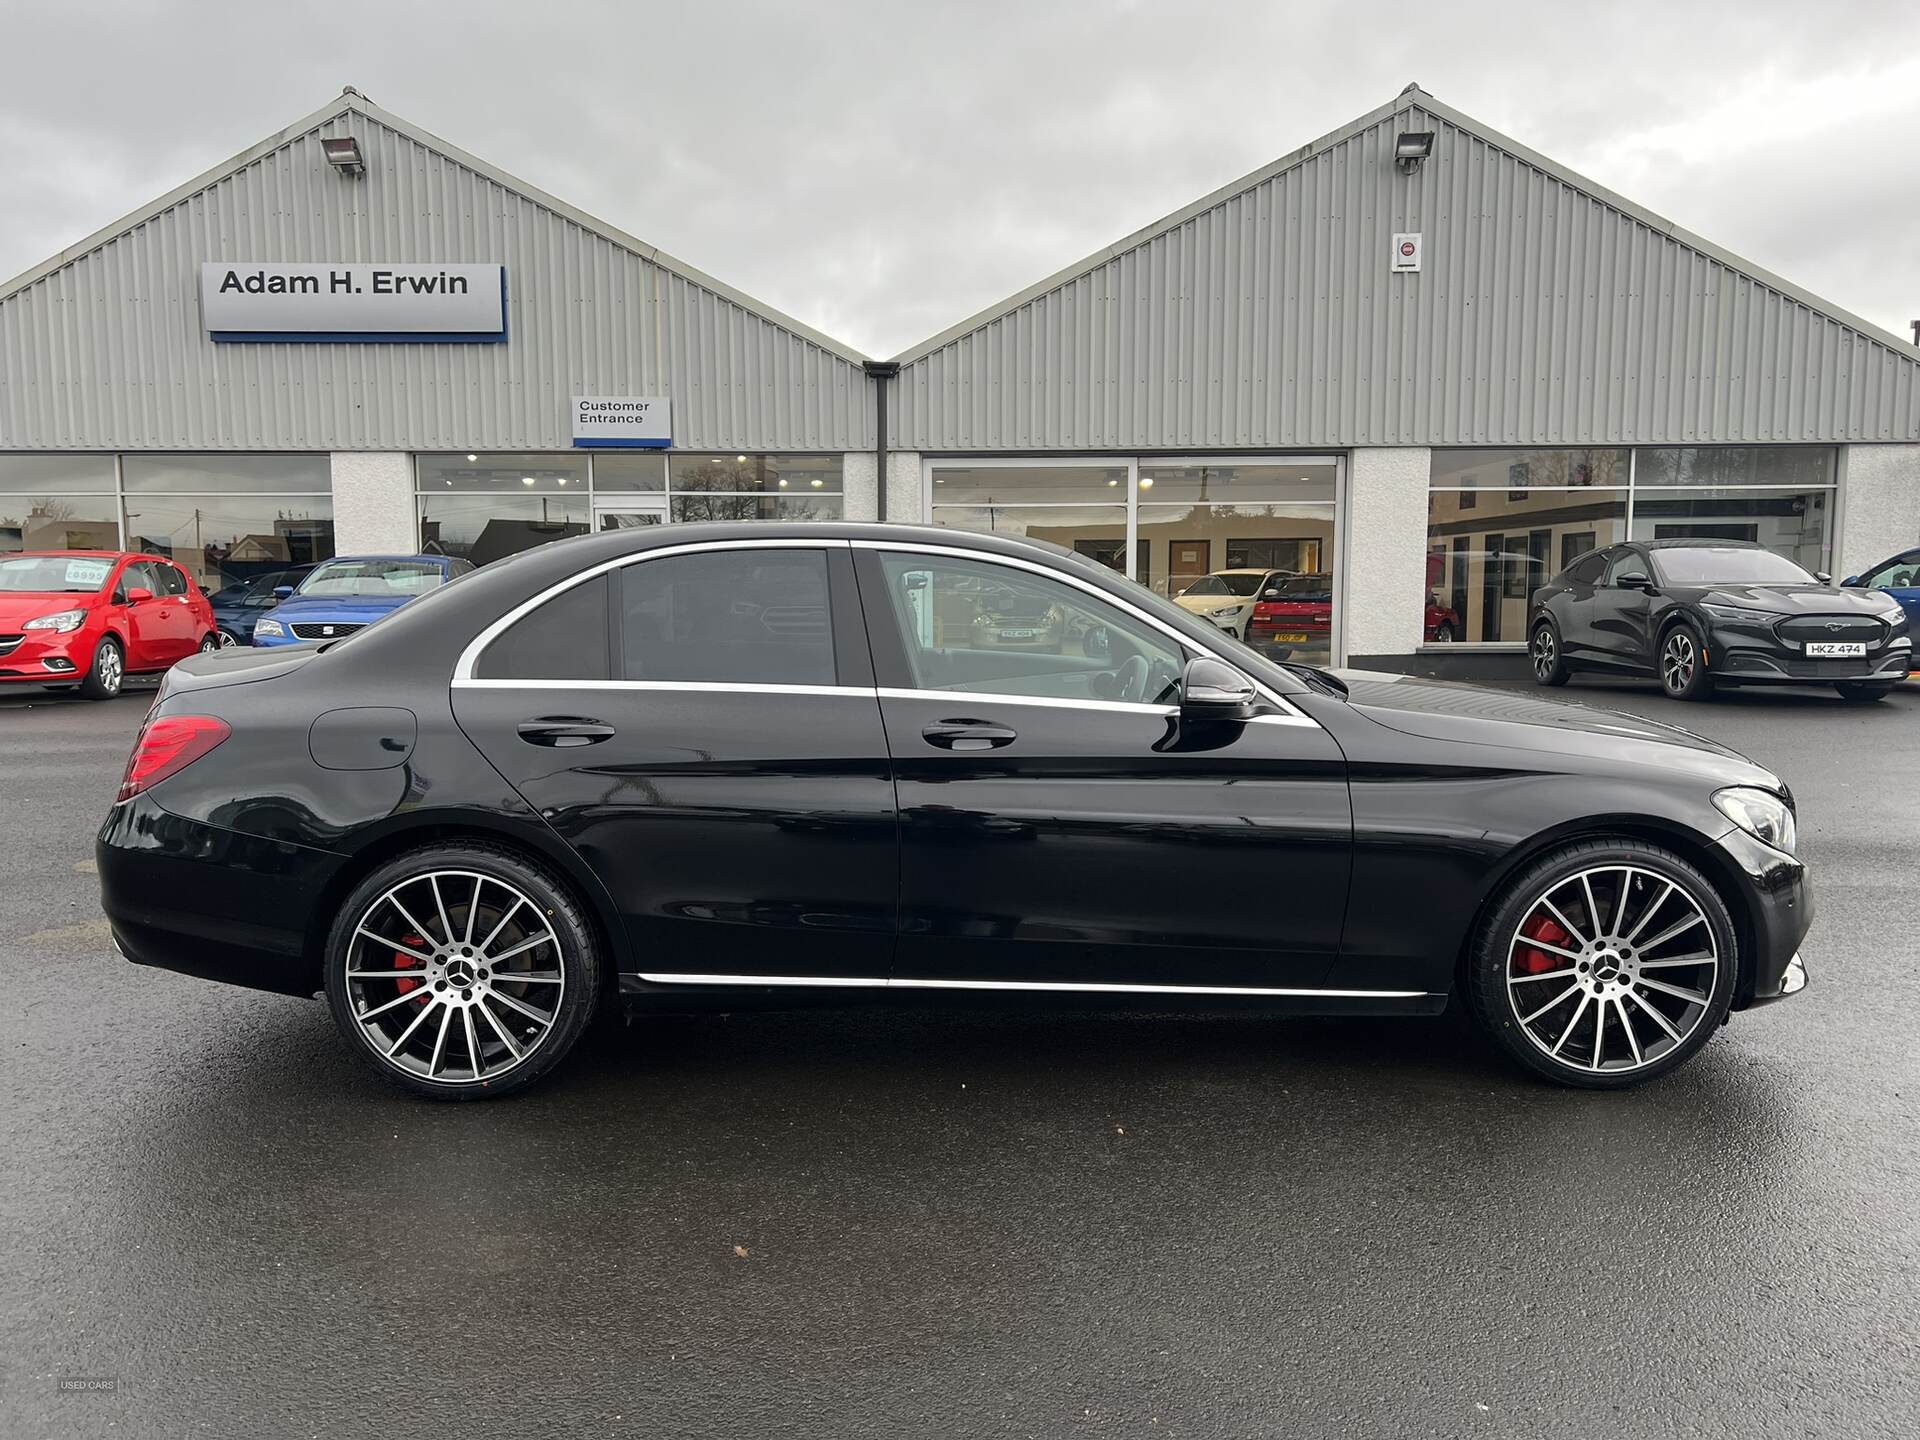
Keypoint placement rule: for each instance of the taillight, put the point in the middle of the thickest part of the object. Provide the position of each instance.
(166, 747)
(1264, 611)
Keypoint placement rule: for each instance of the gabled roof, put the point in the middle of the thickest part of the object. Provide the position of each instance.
(351, 101)
(1412, 96)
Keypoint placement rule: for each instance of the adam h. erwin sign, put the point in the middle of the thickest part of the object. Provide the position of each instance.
(398, 303)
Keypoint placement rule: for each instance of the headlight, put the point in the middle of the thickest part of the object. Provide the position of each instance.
(1761, 813)
(63, 621)
(269, 627)
(1740, 614)
(1222, 613)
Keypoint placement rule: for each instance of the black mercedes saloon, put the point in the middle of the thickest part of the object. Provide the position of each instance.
(1700, 613)
(722, 765)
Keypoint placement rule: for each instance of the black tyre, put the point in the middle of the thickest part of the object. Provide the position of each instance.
(462, 971)
(209, 644)
(1603, 964)
(1443, 633)
(1682, 664)
(107, 673)
(1543, 649)
(1862, 692)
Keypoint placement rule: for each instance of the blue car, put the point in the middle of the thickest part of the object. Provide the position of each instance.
(237, 608)
(1899, 577)
(350, 593)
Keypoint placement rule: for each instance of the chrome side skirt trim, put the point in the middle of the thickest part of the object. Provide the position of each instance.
(913, 983)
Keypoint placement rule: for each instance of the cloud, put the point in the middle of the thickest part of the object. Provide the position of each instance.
(883, 170)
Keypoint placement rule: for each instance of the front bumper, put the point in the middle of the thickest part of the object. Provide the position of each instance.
(1778, 909)
(46, 657)
(1737, 653)
(210, 902)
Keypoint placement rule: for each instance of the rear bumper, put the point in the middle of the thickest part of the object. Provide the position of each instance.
(210, 902)
(1779, 910)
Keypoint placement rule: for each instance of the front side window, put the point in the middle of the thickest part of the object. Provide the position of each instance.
(745, 616)
(1627, 565)
(1901, 574)
(974, 626)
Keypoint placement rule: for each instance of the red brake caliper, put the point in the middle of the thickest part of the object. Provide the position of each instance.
(1546, 928)
(404, 961)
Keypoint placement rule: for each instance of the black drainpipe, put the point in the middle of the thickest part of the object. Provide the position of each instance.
(882, 372)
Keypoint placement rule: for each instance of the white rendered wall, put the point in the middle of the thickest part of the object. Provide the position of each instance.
(858, 472)
(1386, 561)
(373, 507)
(906, 499)
(1880, 505)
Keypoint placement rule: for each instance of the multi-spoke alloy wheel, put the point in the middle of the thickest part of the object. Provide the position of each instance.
(461, 976)
(1605, 964)
(1549, 666)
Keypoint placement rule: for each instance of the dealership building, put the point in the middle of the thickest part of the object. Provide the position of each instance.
(1414, 358)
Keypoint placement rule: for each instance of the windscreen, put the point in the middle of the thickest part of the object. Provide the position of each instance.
(53, 574)
(1727, 565)
(1243, 582)
(1207, 585)
(373, 579)
(1306, 587)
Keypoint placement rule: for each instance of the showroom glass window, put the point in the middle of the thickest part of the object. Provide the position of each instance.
(1502, 522)
(225, 518)
(58, 502)
(484, 505)
(1081, 506)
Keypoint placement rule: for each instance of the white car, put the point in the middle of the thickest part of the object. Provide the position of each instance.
(1225, 598)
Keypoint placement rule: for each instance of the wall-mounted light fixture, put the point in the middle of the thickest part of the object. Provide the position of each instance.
(343, 153)
(1411, 148)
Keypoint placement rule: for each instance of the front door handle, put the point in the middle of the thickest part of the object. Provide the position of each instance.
(967, 735)
(563, 732)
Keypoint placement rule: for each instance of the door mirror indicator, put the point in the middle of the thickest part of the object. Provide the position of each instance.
(137, 593)
(1213, 690)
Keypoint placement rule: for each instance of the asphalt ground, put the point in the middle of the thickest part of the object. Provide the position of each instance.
(897, 1223)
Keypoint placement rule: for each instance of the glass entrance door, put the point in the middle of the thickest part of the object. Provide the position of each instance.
(630, 512)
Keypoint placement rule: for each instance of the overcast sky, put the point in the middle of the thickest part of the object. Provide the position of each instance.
(881, 171)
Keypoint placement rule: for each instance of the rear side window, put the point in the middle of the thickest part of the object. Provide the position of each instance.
(1586, 570)
(747, 616)
(564, 639)
(172, 581)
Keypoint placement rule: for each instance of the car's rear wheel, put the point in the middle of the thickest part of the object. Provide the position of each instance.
(1549, 665)
(1861, 692)
(1604, 964)
(1683, 664)
(1443, 633)
(108, 671)
(462, 971)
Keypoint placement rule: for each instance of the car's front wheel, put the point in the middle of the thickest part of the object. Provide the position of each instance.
(108, 671)
(1604, 963)
(462, 971)
(1683, 664)
(1549, 665)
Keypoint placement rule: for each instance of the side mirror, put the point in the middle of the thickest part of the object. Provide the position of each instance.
(281, 592)
(1823, 577)
(1213, 690)
(1852, 582)
(1637, 582)
(1271, 593)
(138, 593)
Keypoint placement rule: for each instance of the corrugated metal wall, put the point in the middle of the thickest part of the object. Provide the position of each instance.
(109, 351)
(1271, 320)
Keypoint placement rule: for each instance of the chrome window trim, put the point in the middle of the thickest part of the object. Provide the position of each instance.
(988, 557)
(1064, 986)
(463, 668)
(1002, 698)
(721, 687)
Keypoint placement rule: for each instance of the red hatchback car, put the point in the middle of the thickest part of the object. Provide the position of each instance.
(90, 618)
(1297, 614)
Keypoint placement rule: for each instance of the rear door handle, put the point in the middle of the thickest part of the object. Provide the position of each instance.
(967, 735)
(563, 732)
